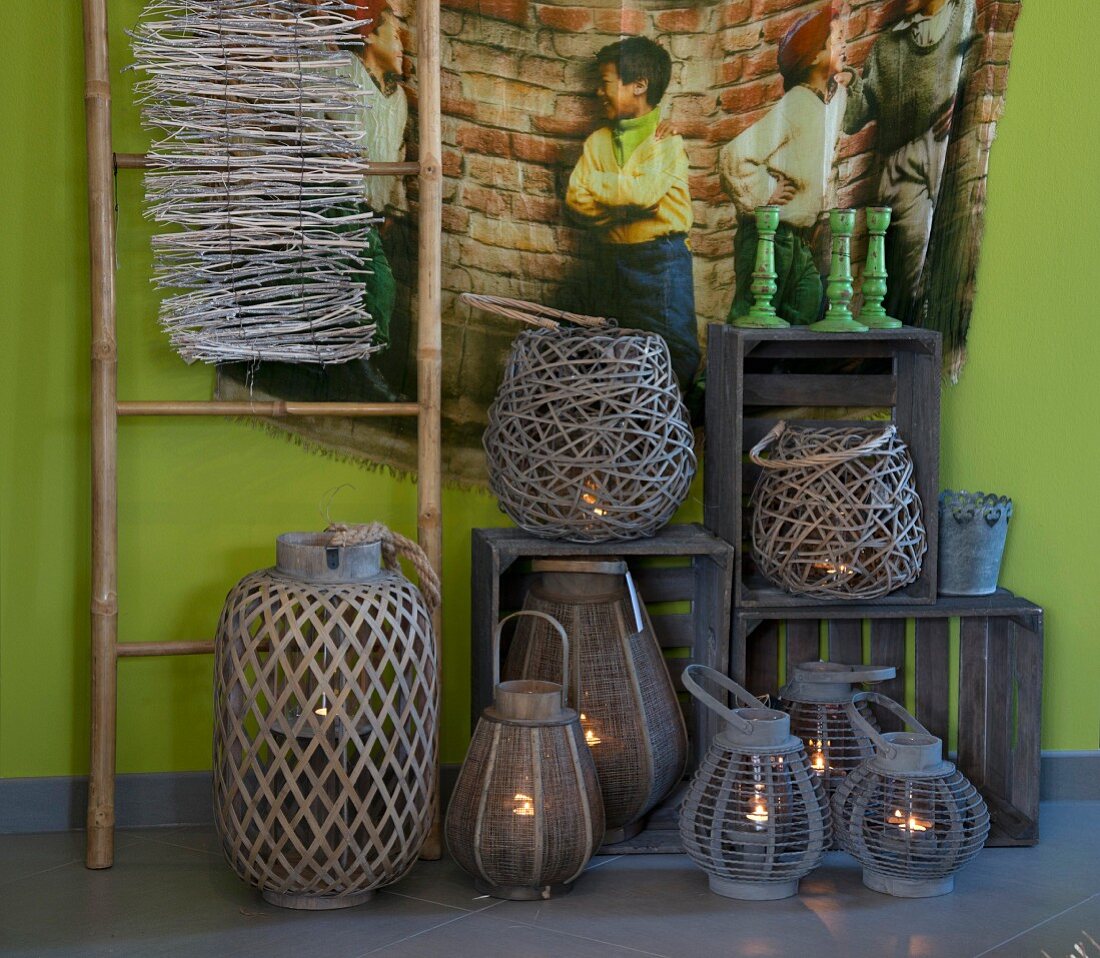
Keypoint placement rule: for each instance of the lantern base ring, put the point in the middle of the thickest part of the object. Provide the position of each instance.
(753, 890)
(613, 836)
(909, 888)
(316, 902)
(522, 892)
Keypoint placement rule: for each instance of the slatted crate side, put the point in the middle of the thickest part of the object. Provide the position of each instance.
(756, 377)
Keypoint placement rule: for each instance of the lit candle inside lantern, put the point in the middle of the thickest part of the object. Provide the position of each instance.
(590, 736)
(525, 806)
(818, 761)
(908, 823)
(759, 814)
(588, 498)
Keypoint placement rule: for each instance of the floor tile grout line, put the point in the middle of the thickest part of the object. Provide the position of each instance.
(430, 901)
(1038, 924)
(423, 931)
(596, 941)
(42, 871)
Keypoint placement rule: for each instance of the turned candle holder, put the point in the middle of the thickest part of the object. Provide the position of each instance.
(840, 288)
(762, 314)
(873, 314)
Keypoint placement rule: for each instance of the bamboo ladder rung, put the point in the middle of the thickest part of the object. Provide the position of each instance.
(146, 649)
(140, 161)
(272, 410)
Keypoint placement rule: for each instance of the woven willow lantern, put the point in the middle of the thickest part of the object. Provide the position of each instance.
(817, 698)
(755, 818)
(588, 438)
(907, 816)
(325, 719)
(835, 512)
(620, 684)
(526, 814)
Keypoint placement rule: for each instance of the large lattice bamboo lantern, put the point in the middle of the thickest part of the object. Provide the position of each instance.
(325, 719)
(620, 685)
(909, 817)
(526, 813)
(755, 817)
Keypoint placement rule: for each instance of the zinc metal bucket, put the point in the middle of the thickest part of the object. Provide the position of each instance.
(973, 529)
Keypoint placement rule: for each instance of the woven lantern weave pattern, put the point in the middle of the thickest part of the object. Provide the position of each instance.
(588, 438)
(835, 512)
(325, 718)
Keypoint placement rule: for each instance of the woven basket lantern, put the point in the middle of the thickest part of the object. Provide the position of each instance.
(526, 814)
(620, 686)
(907, 816)
(835, 512)
(325, 721)
(755, 817)
(588, 438)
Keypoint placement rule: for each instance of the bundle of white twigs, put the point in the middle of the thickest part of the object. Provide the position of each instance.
(259, 168)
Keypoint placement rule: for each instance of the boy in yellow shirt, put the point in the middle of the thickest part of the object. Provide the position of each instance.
(631, 187)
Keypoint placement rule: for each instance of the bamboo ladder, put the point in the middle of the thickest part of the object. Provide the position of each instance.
(106, 408)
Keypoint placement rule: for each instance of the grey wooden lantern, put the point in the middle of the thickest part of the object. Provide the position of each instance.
(909, 817)
(755, 817)
(620, 685)
(526, 813)
(817, 698)
(325, 723)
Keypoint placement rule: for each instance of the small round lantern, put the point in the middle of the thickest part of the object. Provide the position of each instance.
(588, 438)
(755, 818)
(526, 814)
(620, 685)
(325, 719)
(835, 512)
(911, 819)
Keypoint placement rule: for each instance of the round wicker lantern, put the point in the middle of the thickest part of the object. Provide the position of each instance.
(620, 684)
(911, 819)
(588, 438)
(754, 818)
(835, 512)
(526, 814)
(325, 719)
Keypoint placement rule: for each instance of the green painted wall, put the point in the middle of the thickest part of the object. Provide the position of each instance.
(203, 500)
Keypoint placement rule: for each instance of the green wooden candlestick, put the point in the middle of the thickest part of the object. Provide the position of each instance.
(873, 315)
(762, 314)
(840, 288)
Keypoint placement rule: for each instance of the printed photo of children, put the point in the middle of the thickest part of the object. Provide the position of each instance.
(630, 187)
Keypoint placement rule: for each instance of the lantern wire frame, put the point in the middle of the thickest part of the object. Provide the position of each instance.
(835, 512)
(258, 167)
(588, 437)
(755, 818)
(911, 829)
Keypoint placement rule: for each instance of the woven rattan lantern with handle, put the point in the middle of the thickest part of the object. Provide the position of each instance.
(526, 813)
(325, 718)
(620, 684)
(909, 817)
(835, 512)
(754, 818)
(588, 439)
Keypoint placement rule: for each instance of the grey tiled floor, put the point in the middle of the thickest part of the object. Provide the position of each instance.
(171, 894)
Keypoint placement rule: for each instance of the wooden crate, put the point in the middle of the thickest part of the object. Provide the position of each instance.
(1000, 677)
(694, 566)
(754, 374)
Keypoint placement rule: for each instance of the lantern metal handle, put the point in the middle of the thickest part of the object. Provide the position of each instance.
(881, 744)
(739, 692)
(564, 649)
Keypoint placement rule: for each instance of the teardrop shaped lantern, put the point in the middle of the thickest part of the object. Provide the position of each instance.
(909, 817)
(526, 814)
(620, 684)
(325, 718)
(755, 817)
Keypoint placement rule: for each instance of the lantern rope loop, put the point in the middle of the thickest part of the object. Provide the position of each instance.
(534, 314)
(394, 545)
(827, 457)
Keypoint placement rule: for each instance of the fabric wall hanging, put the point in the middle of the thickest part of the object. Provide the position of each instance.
(558, 193)
(256, 164)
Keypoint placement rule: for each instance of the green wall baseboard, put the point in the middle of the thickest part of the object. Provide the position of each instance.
(162, 799)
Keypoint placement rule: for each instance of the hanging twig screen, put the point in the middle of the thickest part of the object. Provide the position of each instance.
(258, 169)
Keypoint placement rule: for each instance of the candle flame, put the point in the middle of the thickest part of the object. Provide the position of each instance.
(526, 806)
(818, 762)
(910, 824)
(759, 813)
(590, 737)
(322, 711)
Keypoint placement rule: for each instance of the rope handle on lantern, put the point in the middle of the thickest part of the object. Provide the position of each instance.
(881, 744)
(393, 545)
(739, 693)
(819, 458)
(564, 649)
(534, 314)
